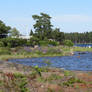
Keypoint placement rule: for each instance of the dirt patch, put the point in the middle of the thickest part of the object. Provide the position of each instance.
(50, 80)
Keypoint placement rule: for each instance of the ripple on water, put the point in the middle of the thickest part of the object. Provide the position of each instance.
(81, 62)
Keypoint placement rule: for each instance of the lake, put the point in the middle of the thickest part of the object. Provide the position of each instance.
(82, 62)
(83, 45)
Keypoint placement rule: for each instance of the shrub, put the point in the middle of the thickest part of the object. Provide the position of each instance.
(53, 77)
(72, 80)
(34, 41)
(68, 43)
(54, 43)
(67, 73)
(43, 43)
(16, 82)
(5, 51)
(1, 44)
(46, 43)
(13, 42)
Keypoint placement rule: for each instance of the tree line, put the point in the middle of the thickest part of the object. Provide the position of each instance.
(43, 31)
(85, 37)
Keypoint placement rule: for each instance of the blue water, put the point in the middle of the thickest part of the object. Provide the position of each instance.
(83, 45)
(78, 61)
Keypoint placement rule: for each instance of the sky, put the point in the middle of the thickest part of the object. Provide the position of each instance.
(68, 15)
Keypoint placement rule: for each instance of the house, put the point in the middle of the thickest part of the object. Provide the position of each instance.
(22, 37)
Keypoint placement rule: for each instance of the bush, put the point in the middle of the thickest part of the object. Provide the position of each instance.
(68, 43)
(34, 41)
(1, 44)
(13, 42)
(46, 43)
(54, 43)
(43, 43)
(5, 51)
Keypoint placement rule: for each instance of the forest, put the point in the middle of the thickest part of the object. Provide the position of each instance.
(85, 37)
(43, 30)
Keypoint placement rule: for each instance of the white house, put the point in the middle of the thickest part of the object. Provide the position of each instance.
(22, 37)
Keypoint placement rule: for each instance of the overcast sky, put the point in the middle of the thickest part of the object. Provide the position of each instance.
(68, 15)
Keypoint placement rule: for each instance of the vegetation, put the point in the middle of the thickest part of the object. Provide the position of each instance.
(14, 82)
(12, 42)
(68, 43)
(73, 80)
(4, 30)
(44, 34)
(44, 31)
(45, 40)
(27, 79)
(14, 32)
(76, 37)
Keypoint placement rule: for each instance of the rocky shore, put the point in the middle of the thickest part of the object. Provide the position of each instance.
(42, 79)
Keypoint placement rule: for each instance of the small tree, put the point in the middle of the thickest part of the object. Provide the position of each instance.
(31, 33)
(34, 41)
(68, 43)
(14, 32)
(4, 30)
(42, 26)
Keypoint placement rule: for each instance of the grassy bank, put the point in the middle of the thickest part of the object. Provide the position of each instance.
(82, 49)
(28, 52)
(19, 78)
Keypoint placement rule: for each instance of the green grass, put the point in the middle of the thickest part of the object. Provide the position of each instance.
(67, 73)
(17, 82)
(53, 77)
(8, 53)
(82, 49)
(71, 81)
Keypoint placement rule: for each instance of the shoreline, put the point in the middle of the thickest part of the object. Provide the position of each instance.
(55, 79)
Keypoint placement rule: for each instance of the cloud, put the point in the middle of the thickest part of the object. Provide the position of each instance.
(72, 18)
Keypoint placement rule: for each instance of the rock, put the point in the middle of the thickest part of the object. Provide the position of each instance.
(82, 53)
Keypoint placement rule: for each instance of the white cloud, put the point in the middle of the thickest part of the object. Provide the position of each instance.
(72, 18)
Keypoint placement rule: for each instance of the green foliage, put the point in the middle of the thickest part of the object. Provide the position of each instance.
(46, 43)
(38, 70)
(4, 30)
(18, 75)
(44, 31)
(1, 44)
(5, 51)
(34, 41)
(72, 80)
(57, 35)
(16, 82)
(31, 33)
(67, 73)
(42, 26)
(14, 32)
(43, 43)
(40, 79)
(54, 51)
(33, 74)
(53, 77)
(75, 37)
(13, 42)
(54, 43)
(68, 43)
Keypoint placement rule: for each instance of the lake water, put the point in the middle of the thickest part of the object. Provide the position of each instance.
(83, 45)
(78, 61)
